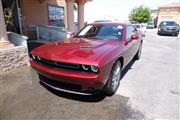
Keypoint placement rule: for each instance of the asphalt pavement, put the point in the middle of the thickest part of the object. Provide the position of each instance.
(149, 90)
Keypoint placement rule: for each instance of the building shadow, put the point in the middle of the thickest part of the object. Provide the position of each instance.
(97, 97)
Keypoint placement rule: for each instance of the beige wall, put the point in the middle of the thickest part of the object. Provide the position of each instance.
(169, 14)
(36, 12)
(3, 35)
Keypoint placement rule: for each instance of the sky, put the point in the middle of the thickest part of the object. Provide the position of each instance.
(117, 9)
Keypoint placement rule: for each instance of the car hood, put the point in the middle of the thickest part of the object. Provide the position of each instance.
(76, 50)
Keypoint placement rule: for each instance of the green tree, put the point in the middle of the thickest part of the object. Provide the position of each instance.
(140, 14)
(75, 7)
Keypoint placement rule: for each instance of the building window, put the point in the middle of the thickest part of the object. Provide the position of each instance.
(56, 15)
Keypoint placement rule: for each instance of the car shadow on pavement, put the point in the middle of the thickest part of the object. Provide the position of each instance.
(83, 98)
(127, 68)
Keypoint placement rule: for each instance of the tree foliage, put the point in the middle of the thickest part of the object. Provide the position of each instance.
(140, 14)
(75, 6)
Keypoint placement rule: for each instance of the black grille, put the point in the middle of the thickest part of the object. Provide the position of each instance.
(60, 65)
(50, 63)
(171, 29)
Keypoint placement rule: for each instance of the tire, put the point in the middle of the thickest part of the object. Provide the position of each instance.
(114, 79)
(138, 54)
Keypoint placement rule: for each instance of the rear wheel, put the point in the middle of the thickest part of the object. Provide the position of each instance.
(138, 54)
(114, 79)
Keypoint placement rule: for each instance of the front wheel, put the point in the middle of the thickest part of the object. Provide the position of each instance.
(114, 79)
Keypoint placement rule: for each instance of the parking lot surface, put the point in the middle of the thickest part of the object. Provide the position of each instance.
(149, 90)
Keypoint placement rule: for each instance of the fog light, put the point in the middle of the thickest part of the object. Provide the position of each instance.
(91, 89)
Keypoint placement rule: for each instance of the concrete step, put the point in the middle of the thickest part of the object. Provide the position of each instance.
(4, 45)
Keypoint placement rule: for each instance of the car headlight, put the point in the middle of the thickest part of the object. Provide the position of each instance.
(34, 57)
(85, 67)
(94, 69)
(38, 58)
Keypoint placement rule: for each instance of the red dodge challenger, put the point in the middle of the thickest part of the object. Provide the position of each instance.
(90, 61)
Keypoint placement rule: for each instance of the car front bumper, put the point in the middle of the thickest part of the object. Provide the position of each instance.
(168, 32)
(86, 81)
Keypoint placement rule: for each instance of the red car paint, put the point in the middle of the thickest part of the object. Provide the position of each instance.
(96, 52)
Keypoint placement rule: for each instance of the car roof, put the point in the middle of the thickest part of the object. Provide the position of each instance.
(168, 21)
(136, 24)
(110, 23)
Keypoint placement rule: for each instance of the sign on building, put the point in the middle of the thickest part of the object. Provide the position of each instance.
(56, 15)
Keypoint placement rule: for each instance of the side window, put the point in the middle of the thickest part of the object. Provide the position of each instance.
(134, 30)
(130, 31)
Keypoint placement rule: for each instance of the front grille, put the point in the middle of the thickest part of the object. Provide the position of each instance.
(62, 65)
(58, 64)
(171, 29)
(55, 64)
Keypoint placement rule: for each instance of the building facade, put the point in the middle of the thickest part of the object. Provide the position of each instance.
(47, 12)
(18, 15)
(169, 12)
(154, 16)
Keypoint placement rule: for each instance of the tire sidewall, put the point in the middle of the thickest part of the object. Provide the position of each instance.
(138, 54)
(108, 87)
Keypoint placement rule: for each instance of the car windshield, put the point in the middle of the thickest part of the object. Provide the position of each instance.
(102, 32)
(137, 26)
(150, 23)
(169, 23)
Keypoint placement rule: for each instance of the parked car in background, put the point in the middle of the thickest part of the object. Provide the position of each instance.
(102, 21)
(150, 25)
(141, 28)
(91, 61)
(168, 28)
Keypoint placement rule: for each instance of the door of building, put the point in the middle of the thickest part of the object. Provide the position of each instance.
(12, 16)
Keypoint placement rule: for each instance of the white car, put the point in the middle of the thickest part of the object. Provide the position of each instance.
(141, 28)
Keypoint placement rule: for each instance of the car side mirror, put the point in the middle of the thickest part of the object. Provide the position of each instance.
(134, 37)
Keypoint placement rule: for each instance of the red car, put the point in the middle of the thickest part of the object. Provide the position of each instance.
(90, 61)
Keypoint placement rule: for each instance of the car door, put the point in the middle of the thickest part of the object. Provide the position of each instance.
(128, 45)
(135, 42)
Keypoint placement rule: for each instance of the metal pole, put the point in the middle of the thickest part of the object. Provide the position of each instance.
(19, 17)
